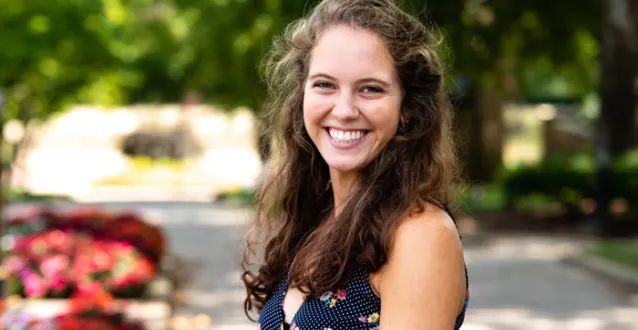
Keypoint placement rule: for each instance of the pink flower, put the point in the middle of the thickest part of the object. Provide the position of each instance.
(89, 289)
(363, 319)
(100, 259)
(51, 266)
(14, 264)
(26, 244)
(341, 295)
(34, 285)
(82, 267)
(60, 241)
(58, 283)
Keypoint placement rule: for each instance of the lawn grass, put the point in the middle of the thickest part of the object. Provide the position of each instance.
(238, 196)
(621, 252)
(17, 196)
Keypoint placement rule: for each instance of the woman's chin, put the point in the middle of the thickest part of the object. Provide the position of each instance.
(345, 166)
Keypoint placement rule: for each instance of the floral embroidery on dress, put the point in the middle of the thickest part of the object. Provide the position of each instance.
(372, 319)
(330, 298)
(467, 297)
(293, 326)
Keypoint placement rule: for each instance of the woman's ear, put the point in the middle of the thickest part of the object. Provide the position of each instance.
(404, 117)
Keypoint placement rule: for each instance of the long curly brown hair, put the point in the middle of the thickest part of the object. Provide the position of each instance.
(418, 166)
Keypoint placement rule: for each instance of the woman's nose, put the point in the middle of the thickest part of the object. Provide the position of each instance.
(345, 108)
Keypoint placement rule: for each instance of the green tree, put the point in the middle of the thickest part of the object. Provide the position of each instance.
(124, 51)
(511, 51)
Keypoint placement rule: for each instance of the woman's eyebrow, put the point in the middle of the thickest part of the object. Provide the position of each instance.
(363, 80)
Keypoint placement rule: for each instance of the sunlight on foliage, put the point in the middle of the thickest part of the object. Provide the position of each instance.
(128, 51)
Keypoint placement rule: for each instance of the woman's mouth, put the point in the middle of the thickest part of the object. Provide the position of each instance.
(346, 139)
(346, 136)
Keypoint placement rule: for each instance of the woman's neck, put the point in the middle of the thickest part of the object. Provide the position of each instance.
(343, 184)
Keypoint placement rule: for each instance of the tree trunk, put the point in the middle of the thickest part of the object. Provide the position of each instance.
(619, 80)
(617, 127)
(481, 131)
(490, 102)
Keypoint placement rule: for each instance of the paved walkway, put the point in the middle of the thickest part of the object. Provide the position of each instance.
(516, 282)
(520, 283)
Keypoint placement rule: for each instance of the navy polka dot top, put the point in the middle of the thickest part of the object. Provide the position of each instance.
(356, 307)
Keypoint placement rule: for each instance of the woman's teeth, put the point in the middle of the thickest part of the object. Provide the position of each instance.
(346, 136)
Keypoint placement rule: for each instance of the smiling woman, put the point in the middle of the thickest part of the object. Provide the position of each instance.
(355, 91)
(354, 207)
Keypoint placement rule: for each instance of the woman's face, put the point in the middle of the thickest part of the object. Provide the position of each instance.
(352, 97)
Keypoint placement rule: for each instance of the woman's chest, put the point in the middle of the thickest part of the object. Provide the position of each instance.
(354, 307)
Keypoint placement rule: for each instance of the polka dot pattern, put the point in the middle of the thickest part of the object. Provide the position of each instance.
(357, 307)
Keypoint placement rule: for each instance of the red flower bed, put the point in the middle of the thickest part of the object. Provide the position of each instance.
(80, 252)
(94, 312)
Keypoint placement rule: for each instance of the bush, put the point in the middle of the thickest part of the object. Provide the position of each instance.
(563, 185)
(177, 143)
(477, 198)
(570, 177)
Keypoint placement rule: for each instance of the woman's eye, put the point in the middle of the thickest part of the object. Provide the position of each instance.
(372, 89)
(322, 85)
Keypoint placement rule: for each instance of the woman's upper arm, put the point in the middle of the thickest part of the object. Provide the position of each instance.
(422, 286)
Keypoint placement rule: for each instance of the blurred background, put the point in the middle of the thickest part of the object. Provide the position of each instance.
(130, 154)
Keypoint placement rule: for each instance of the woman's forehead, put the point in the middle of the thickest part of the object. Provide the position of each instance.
(347, 52)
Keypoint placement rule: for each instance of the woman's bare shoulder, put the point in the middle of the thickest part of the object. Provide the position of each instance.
(424, 272)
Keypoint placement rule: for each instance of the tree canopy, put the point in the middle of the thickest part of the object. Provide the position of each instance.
(60, 52)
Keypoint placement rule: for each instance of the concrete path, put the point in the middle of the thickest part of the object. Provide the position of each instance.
(517, 282)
